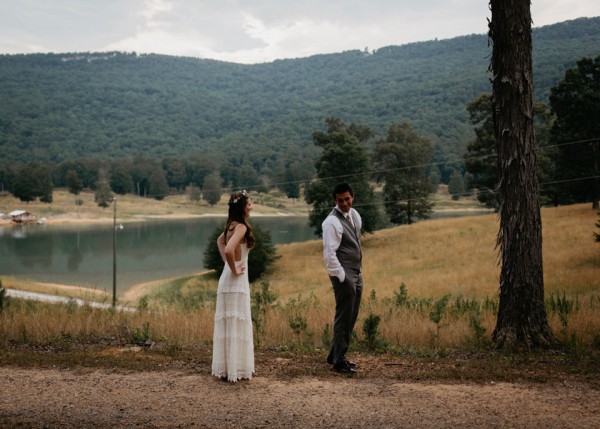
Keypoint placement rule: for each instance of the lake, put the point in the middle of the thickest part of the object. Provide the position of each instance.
(83, 254)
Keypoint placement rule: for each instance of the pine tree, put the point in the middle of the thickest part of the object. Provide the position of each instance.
(74, 183)
(344, 159)
(103, 195)
(522, 319)
(260, 259)
(456, 185)
(212, 190)
(400, 162)
(575, 103)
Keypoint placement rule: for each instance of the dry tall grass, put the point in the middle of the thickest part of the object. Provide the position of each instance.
(432, 259)
(456, 256)
(452, 256)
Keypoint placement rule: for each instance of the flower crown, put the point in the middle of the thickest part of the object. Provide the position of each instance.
(238, 196)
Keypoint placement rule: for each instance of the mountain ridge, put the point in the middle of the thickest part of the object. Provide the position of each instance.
(113, 105)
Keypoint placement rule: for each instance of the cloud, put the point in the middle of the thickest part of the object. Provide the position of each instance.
(249, 31)
(153, 8)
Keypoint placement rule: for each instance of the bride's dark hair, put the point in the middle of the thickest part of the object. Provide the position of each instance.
(237, 214)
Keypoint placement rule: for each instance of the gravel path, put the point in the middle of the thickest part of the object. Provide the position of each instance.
(101, 398)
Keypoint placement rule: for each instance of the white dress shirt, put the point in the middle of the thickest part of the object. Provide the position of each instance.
(332, 237)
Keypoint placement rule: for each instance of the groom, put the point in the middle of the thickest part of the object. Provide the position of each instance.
(343, 256)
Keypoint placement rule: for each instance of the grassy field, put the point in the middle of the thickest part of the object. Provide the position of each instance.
(428, 286)
(457, 257)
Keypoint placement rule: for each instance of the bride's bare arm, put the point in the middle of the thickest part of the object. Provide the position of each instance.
(221, 246)
(234, 241)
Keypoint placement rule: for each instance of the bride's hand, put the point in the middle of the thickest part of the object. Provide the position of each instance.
(241, 270)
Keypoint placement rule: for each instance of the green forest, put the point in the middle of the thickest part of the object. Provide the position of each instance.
(256, 118)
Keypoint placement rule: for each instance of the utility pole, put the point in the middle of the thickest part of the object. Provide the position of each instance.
(114, 297)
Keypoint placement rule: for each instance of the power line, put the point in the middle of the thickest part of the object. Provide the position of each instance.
(374, 172)
(466, 193)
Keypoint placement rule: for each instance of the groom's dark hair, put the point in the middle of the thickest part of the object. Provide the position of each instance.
(341, 188)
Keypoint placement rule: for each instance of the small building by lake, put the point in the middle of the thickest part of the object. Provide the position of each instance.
(21, 216)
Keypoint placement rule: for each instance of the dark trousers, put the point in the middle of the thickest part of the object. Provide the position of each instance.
(347, 303)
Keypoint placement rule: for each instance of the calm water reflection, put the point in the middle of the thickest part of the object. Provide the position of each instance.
(82, 255)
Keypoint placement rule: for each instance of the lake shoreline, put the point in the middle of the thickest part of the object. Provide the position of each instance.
(190, 231)
(73, 218)
(132, 209)
(131, 295)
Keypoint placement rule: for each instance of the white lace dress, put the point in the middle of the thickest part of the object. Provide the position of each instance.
(233, 344)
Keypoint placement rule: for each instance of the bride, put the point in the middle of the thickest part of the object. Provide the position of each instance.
(233, 346)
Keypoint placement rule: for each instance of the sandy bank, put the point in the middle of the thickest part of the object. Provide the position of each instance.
(129, 297)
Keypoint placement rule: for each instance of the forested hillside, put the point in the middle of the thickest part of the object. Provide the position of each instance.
(75, 105)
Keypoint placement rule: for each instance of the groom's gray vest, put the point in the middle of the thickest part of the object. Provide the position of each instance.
(349, 253)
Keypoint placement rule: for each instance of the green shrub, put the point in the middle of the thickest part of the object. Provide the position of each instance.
(141, 336)
(298, 324)
(371, 330)
(563, 306)
(401, 297)
(262, 256)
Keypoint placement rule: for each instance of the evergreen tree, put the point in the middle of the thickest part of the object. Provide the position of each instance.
(522, 318)
(212, 190)
(290, 176)
(291, 184)
(197, 167)
(120, 178)
(344, 159)
(481, 156)
(74, 183)
(140, 174)
(260, 259)
(23, 184)
(263, 254)
(103, 196)
(44, 184)
(246, 177)
(175, 173)
(576, 104)
(157, 183)
(31, 181)
(435, 177)
(4, 175)
(481, 159)
(400, 162)
(456, 186)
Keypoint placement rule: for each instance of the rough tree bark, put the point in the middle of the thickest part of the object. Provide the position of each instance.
(522, 319)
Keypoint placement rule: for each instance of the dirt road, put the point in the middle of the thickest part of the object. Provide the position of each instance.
(102, 398)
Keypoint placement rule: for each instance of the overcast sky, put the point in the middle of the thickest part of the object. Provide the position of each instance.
(249, 31)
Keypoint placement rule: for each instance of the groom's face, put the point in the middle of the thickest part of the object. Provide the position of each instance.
(344, 201)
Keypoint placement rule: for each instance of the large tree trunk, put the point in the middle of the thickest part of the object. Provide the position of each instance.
(522, 316)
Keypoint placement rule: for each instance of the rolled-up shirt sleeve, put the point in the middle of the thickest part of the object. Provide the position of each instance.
(332, 237)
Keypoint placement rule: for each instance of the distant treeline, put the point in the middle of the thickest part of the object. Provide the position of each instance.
(58, 107)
